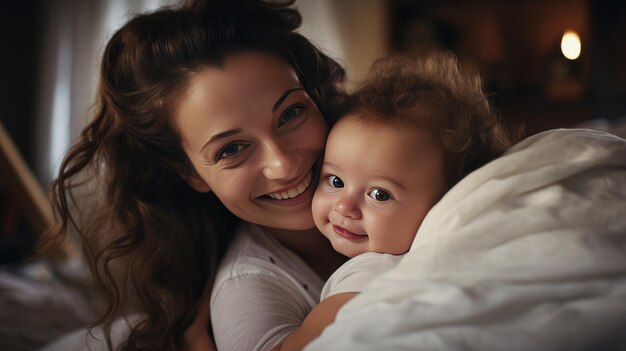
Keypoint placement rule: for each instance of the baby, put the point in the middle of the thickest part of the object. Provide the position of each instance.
(415, 127)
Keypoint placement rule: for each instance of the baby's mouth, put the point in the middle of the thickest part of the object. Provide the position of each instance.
(293, 192)
(348, 234)
(344, 230)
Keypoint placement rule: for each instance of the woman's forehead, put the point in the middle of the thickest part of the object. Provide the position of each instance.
(245, 68)
(247, 80)
(247, 84)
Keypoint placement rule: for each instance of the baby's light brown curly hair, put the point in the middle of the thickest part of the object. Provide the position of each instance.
(433, 91)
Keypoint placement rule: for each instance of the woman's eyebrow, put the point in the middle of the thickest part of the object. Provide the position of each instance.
(222, 135)
(232, 132)
(283, 97)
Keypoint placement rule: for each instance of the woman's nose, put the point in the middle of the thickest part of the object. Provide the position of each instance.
(348, 206)
(281, 163)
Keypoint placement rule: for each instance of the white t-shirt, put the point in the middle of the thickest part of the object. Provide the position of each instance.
(353, 275)
(261, 293)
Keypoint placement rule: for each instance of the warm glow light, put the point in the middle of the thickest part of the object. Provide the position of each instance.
(570, 45)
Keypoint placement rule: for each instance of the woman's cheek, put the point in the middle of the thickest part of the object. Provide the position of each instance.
(318, 131)
(232, 187)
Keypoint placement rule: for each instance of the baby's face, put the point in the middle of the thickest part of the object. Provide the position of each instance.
(377, 183)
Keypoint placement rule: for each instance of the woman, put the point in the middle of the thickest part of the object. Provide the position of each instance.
(208, 116)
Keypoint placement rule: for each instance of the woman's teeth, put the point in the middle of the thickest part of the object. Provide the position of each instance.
(293, 192)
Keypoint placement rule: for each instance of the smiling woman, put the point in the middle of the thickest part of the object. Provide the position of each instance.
(209, 123)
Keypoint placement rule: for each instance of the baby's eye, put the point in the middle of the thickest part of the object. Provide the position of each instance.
(231, 150)
(335, 181)
(379, 195)
(289, 114)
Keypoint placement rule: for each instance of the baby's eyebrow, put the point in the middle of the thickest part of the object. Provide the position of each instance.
(284, 96)
(330, 164)
(392, 181)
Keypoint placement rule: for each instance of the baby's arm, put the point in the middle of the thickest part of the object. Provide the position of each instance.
(321, 316)
(343, 285)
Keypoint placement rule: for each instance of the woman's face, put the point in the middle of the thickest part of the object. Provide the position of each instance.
(253, 136)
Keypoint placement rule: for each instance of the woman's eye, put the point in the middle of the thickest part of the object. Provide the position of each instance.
(335, 181)
(231, 150)
(290, 114)
(379, 195)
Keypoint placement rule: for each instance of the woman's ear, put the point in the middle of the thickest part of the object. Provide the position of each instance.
(195, 181)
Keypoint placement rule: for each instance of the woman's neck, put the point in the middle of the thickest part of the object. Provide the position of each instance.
(312, 247)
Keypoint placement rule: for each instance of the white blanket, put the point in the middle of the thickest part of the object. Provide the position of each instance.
(526, 253)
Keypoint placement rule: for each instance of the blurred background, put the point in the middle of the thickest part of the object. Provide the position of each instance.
(546, 64)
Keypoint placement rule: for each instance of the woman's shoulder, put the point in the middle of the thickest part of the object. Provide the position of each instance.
(254, 255)
(244, 253)
(254, 252)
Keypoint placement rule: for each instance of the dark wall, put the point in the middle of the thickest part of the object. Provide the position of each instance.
(516, 47)
(20, 30)
(608, 83)
(20, 24)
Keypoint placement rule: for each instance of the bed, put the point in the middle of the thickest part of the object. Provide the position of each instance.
(526, 253)
(39, 300)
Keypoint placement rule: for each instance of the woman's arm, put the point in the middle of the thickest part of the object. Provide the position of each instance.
(321, 316)
(199, 340)
(197, 336)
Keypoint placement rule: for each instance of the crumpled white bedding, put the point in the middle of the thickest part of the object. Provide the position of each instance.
(40, 301)
(526, 253)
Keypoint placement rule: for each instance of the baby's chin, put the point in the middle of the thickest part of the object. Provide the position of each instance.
(346, 251)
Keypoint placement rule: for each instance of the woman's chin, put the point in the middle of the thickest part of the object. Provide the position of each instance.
(301, 224)
(293, 223)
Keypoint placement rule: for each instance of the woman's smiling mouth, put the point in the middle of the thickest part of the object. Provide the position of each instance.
(293, 192)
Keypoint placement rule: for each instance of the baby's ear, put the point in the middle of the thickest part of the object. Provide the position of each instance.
(195, 181)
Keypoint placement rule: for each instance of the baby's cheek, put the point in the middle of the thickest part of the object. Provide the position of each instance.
(405, 233)
(319, 207)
